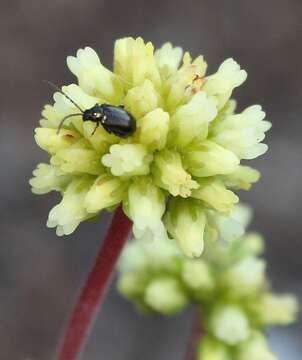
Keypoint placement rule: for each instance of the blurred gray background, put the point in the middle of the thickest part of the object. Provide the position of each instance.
(40, 273)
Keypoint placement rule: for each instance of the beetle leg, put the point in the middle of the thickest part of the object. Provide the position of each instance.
(94, 130)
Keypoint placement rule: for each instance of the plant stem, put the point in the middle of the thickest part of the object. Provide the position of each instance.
(92, 294)
(195, 335)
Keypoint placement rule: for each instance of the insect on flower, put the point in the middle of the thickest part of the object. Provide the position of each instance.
(177, 171)
(114, 119)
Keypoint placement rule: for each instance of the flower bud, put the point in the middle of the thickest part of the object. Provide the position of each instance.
(52, 142)
(142, 99)
(67, 215)
(46, 179)
(93, 77)
(245, 277)
(273, 309)
(242, 133)
(209, 159)
(229, 324)
(170, 174)
(132, 285)
(134, 257)
(191, 120)
(165, 295)
(134, 62)
(127, 160)
(214, 193)
(255, 348)
(106, 191)
(196, 275)
(186, 221)
(253, 243)
(178, 84)
(211, 349)
(242, 178)
(151, 256)
(146, 206)
(222, 83)
(242, 214)
(168, 58)
(78, 159)
(50, 117)
(154, 128)
(232, 226)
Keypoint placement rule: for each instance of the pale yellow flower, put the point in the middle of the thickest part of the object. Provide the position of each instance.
(186, 149)
(230, 324)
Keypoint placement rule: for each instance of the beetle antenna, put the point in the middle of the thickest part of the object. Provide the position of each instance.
(63, 120)
(55, 87)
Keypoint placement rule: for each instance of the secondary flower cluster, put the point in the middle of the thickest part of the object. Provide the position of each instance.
(176, 173)
(228, 284)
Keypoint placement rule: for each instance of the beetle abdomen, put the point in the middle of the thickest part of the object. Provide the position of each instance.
(118, 121)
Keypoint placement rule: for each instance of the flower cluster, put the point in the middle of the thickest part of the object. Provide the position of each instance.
(228, 284)
(176, 173)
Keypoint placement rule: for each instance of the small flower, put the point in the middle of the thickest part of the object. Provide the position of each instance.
(165, 295)
(210, 159)
(170, 174)
(214, 193)
(183, 157)
(93, 77)
(273, 309)
(229, 324)
(127, 160)
(67, 215)
(242, 133)
(154, 128)
(222, 83)
(186, 222)
(168, 58)
(105, 192)
(50, 141)
(197, 275)
(227, 227)
(191, 121)
(242, 178)
(48, 178)
(246, 276)
(211, 349)
(256, 347)
(146, 206)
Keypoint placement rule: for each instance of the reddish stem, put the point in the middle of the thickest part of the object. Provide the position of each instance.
(195, 335)
(91, 296)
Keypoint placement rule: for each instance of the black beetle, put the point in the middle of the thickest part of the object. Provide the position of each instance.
(114, 119)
